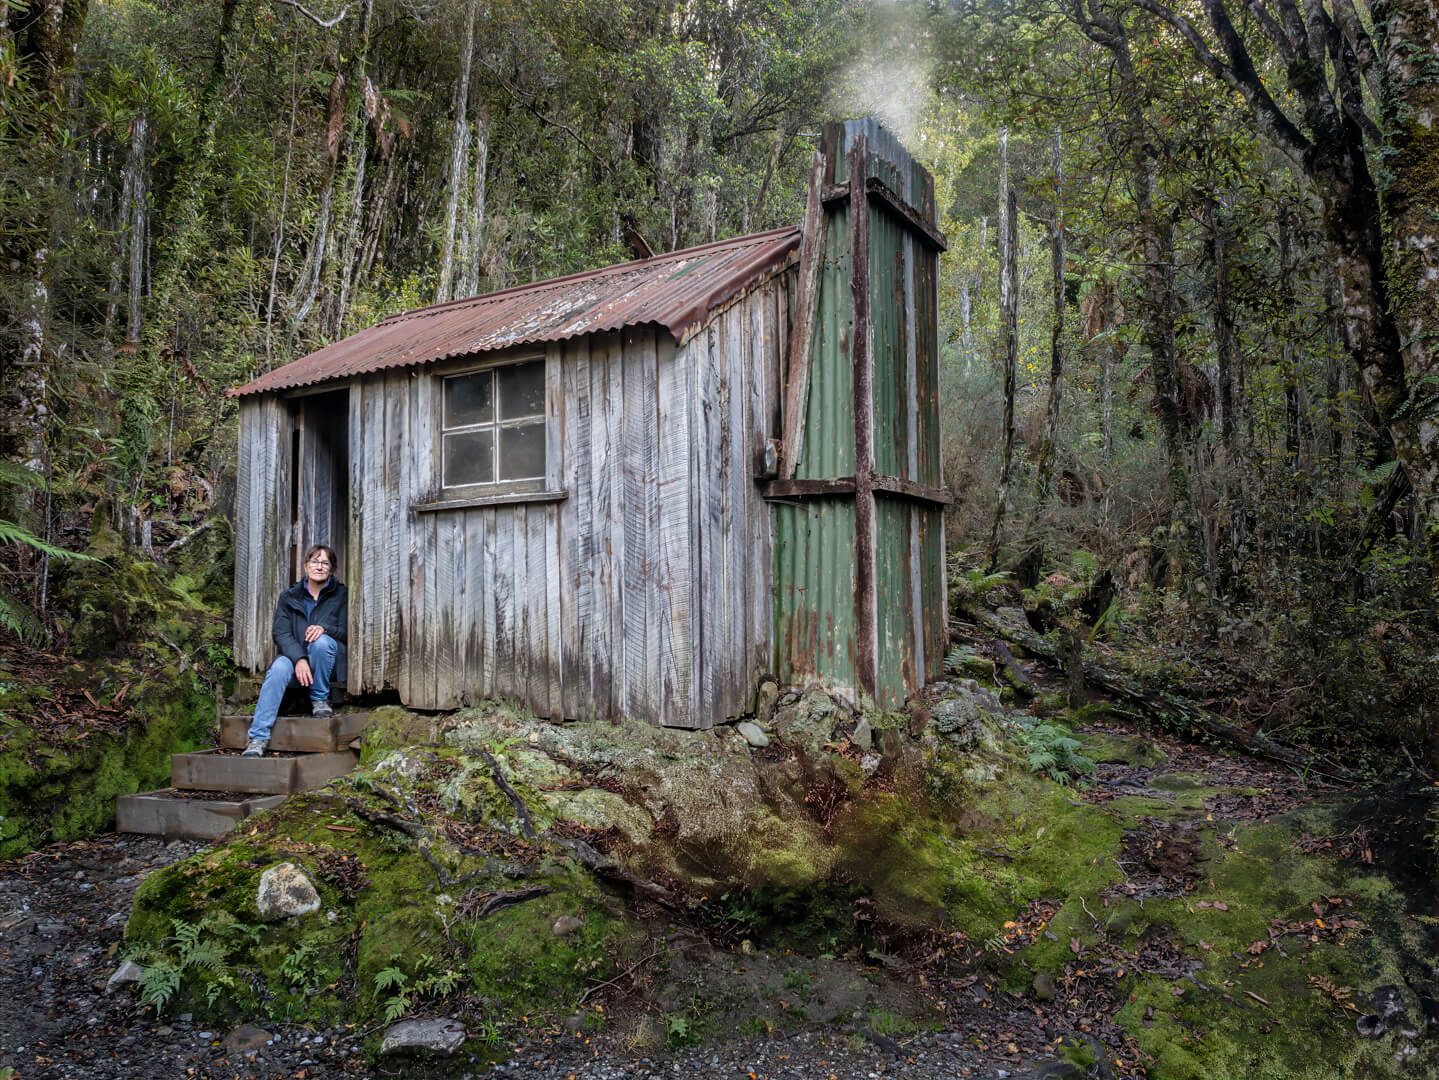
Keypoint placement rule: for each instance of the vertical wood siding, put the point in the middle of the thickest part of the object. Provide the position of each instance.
(736, 402)
(646, 592)
(262, 525)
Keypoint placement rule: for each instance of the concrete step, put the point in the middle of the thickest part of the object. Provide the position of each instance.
(306, 734)
(171, 813)
(273, 774)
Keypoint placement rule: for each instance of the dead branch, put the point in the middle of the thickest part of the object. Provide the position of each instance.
(325, 23)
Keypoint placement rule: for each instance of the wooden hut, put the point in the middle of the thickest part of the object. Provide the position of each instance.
(631, 492)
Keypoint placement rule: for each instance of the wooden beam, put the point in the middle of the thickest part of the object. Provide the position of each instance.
(864, 524)
(808, 489)
(927, 234)
(796, 391)
(909, 489)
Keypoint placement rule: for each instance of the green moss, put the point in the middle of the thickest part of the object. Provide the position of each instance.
(1103, 748)
(53, 791)
(403, 919)
(1219, 1028)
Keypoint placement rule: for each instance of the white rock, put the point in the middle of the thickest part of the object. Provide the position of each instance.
(126, 974)
(753, 734)
(286, 891)
(436, 1036)
(565, 925)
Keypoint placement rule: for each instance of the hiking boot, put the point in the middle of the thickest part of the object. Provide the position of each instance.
(255, 748)
(321, 708)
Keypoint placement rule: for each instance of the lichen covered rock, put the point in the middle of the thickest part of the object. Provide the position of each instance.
(285, 892)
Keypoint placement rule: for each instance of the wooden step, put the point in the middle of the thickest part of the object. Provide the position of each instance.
(219, 770)
(170, 813)
(305, 734)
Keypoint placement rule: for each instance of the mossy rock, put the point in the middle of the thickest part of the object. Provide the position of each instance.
(1108, 749)
(63, 789)
(423, 922)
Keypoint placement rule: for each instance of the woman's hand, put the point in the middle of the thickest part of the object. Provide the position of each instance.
(303, 675)
(312, 633)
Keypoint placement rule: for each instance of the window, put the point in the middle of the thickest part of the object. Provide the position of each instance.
(494, 427)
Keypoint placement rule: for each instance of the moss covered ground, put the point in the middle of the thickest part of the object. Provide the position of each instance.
(510, 867)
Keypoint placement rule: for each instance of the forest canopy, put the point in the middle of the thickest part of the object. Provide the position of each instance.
(1189, 379)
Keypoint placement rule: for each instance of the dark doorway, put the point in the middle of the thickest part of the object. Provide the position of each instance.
(320, 488)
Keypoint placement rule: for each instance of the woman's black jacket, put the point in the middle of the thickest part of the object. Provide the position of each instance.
(332, 611)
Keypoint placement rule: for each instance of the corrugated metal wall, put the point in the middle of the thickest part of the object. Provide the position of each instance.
(816, 606)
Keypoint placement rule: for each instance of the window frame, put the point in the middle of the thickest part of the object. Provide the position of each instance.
(496, 492)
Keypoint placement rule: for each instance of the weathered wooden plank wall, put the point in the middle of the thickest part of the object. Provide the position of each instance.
(646, 591)
(262, 525)
(737, 399)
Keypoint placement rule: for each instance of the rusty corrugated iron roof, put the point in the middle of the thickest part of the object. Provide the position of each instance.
(677, 290)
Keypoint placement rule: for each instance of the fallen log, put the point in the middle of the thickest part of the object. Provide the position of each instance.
(1168, 709)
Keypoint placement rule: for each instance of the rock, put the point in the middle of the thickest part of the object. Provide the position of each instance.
(575, 1023)
(965, 717)
(863, 735)
(125, 975)
(765, 703)
(869, 764)
(1044, 988)
(1389, 1003)
(753, 734)
(919, 721)
(1055, 1070)
(286, 891)
(565, 925)
(247, 1037)
(442, 1036)
(1370, 1026)
(882, 1042)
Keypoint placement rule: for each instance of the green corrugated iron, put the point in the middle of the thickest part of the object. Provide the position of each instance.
(859, 535)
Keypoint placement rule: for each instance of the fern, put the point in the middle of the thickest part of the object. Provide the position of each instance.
(390, 976)
(159, 983)
(1051, 749)
(15, 615)
(11, 533)
(20, 620)
(1378, 474)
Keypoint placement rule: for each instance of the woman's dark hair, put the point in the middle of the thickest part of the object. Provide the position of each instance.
(315, 549)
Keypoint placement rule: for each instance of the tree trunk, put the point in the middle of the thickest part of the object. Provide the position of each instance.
(1009, 333)
(1409, 102)
(475, 227)
(1225, 341)
(44, 35)
(138, 215)
(349, 240)
(459, 149)
(284, 206)
(1045, 469)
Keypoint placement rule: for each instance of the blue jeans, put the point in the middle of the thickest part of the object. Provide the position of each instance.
(322, 652)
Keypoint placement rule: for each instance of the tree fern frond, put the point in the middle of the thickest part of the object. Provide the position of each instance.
(20, 620)
(11, 533)
(17, 475)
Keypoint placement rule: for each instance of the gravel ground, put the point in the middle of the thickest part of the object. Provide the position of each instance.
(63, 911)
